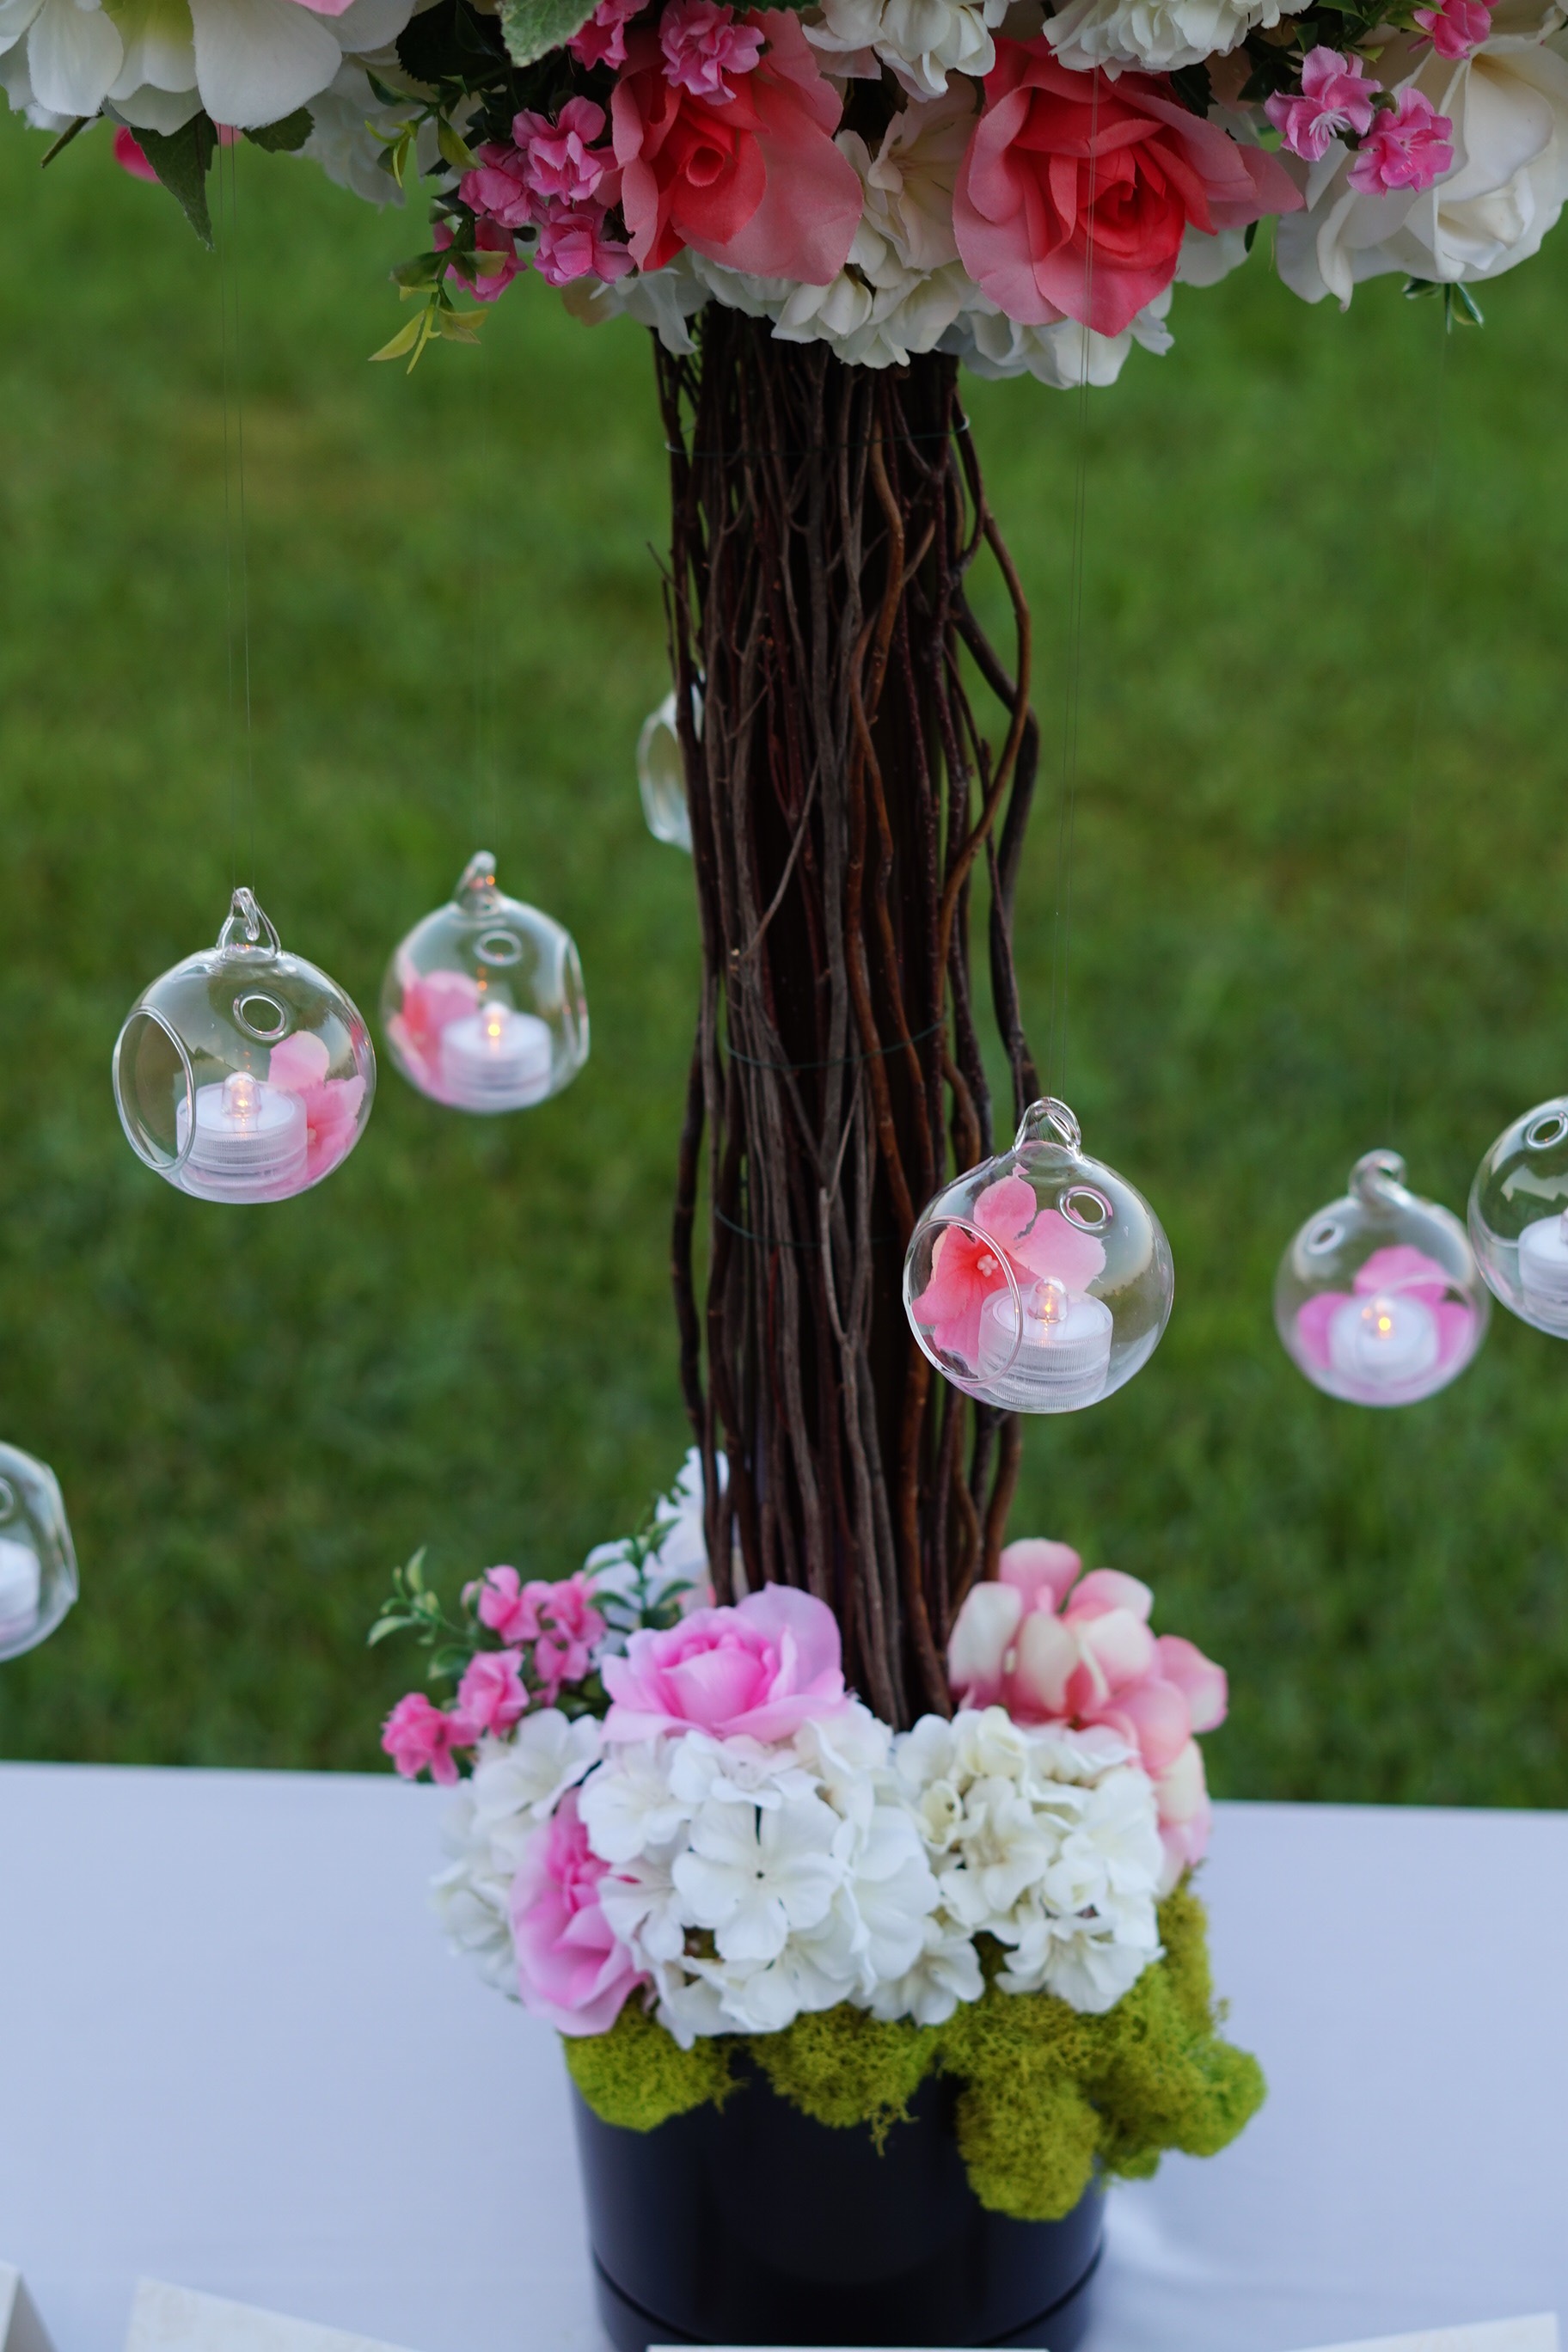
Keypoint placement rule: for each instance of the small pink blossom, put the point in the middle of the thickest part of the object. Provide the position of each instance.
(485, 285)
(418, 1738)
(497, 188)
(571, 1967)
(1055, 1646)
(701, 42)
(1336, 97)
(559, 158)
(572, 243)
(1409, 146)
(570, 1629)
(130, 155)
(760, 1670)
(1457, 27)
(299, 1065)
(507, 1607)
(602, 41)
(491, 1695)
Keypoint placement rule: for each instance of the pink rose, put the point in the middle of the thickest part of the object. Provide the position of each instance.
(571, 1968)
(418, 1738)
(754, 180)
(1053, 1646)
(762, 1669)
(491, 1695)
(1336, 97)
(299, 1065)
(1077, 190)
(701, 42)
(1409, 146)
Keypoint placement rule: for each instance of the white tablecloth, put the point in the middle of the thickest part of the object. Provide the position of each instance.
(235, 2054)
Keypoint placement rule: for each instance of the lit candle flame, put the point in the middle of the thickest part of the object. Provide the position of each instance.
(241, 1096)
(1050, 1303)
(495, 1024)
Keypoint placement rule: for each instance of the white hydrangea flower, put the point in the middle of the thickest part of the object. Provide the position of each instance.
(517, 1782)
(920, 41)
(1047, 1840)
(665, 299)
(1064, 356)
(1160, 36)
(909, 181)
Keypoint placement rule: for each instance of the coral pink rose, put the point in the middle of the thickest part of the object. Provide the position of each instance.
(571, 1967)
(1053, 1646)
(760, 1669)
(418, 1738)
(1077, 190)
(752, 180)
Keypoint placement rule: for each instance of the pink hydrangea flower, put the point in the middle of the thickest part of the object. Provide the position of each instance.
(571, 1967)
(1336, 97)
(760, 1669)
(491, 1695)
(1410, 146)
(1400, 1269)
(299, 1065)
(497, 188)
(574, 242)
(602, 41)
(418, 1738)
(701, 42)
(559, 158)
(1052, 1646)
(430, 1001)
(1458, 28)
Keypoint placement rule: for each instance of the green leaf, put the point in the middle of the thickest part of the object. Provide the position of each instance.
(413, 1570)
(455, 149)
(383, 1626)
(423, 270)
(461, 326)
(534, 27)
(380, 92)
(182, 160)
(285, 138)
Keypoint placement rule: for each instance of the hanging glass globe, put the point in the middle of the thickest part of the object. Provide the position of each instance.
(1518, 1217)
(661, 772)
(482, 1004)
(1378, 1299)
(37, 1562)
(244, 1073)
(1041, 1280)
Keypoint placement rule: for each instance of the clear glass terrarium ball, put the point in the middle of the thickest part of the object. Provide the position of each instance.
(482, 1004)
(244, 1073)
(661, 772)
(1378, 1298)
(1041, 1280)
(1518, 1217)
(38, 1560)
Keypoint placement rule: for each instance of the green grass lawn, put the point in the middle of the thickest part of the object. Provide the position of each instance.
(464, 1337)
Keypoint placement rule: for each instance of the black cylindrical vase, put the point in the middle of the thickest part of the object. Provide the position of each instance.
(753, 2224)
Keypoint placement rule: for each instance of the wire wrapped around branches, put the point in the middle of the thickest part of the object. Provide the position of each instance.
(844, 797)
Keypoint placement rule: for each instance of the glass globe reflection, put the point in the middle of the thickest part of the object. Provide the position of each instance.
(1518, 1217)
(37, 1559)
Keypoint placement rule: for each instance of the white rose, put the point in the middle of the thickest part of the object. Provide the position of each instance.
(1509, 107)
(1161, 36)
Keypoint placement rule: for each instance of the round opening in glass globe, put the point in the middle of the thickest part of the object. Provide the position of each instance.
(1040, 1281)
(482, 1005)
(37, 1559)
(244, 1073)
(1378, 1298)
(1518, 1217)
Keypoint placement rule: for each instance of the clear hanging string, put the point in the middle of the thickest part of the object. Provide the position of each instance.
(236, 565)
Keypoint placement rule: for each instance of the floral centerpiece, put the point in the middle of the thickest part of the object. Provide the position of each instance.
(682, 1841)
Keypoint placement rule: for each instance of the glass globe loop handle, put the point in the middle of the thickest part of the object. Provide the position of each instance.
(151, 1160)
(979, 1380)
(247, 930)
(1049, 1121)
(1378, 1180)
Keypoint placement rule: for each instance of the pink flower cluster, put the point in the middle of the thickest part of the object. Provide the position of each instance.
(701, 42)
(557, 179)
(1406, 144)
(549, 1633)
(1053, 1646)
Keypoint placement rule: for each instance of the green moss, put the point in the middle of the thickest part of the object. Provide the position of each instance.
(638, 2075)
(1047, 2095)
